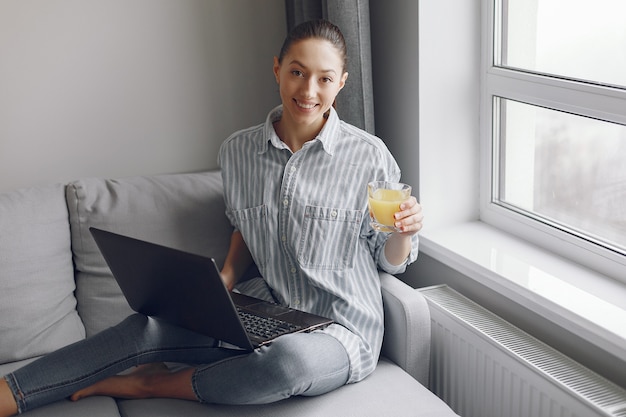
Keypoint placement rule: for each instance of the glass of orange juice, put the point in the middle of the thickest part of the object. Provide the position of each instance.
(384, 200)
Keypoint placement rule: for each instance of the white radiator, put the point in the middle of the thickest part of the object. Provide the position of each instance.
(483, 366)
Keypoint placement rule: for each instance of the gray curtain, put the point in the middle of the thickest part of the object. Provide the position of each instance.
(355, 103)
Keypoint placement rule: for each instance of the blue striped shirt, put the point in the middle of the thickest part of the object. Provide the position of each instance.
(304, 218)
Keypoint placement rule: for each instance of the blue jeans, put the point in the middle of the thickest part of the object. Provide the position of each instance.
(295, 364)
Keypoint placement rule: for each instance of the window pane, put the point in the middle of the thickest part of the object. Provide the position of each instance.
(577, 39)
(564, 169)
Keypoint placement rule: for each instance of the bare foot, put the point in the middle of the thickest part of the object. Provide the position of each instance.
(136, 384)
(8, 407)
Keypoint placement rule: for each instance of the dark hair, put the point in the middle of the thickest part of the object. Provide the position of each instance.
(317, 29)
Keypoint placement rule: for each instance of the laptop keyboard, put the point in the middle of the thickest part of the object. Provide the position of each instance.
(264, 327)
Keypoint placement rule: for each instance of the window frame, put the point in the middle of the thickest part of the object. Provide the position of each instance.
(571, 96)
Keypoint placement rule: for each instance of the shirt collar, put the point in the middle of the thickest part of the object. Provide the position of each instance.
(327, 136)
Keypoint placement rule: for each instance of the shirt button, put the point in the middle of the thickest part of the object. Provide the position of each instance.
(292, 169)
(285, 202)
(283, 238)
(333, 213)
(293, 270)
(296, 302)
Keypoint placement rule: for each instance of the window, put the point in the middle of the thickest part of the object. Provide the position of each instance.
(554, 126)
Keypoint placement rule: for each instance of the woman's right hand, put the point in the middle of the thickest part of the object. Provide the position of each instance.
(228, 279)
(237, 261)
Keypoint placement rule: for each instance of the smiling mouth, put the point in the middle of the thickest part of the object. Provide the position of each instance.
(306, 106)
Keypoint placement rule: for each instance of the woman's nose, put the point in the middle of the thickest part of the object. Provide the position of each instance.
(308, 89)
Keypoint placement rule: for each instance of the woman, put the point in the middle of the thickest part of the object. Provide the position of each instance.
(295, 191)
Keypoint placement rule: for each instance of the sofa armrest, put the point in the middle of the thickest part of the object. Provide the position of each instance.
(407, 327)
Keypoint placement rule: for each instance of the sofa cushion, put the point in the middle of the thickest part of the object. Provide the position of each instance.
(389, 391)
(184, 211)
(37, 304)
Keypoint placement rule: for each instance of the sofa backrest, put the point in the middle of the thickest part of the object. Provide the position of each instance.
(37, 304)
(184, 211)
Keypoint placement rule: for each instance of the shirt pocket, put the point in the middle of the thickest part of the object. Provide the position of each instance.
(252, 223)
(328, 238)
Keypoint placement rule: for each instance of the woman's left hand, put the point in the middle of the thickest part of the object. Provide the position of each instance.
(409, 219)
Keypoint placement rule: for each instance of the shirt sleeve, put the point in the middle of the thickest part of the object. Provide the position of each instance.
(224, 162)
(386, 266)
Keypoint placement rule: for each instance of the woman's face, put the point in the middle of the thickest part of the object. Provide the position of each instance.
(310, 77)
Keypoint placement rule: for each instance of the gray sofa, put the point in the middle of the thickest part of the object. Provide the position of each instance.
(55, 288)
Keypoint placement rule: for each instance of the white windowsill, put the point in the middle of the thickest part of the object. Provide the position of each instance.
(586, 303)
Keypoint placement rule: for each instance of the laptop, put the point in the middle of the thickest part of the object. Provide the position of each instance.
(186, 290)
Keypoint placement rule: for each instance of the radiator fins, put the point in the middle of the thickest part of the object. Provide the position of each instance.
(463, 331)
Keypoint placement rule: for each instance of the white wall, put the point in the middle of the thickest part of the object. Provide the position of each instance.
(449, 44)
(117, 88)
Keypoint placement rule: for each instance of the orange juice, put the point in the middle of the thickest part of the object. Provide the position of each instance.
(385, 203)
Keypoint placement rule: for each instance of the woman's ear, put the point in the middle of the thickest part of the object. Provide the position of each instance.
(342, 82)
(277, 70)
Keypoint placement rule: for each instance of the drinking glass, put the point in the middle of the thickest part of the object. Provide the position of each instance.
(384, 200)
